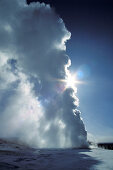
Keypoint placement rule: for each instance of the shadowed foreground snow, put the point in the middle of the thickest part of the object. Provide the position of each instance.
(18, 156)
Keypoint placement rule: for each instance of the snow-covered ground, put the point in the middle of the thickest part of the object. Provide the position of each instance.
(18, 156)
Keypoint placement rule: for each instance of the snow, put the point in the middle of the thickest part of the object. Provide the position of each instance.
(105, 158)
(16, 156)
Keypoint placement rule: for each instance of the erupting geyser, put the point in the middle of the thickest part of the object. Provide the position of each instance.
(36, 106)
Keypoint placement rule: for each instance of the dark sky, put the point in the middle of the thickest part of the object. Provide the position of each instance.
(91, 51)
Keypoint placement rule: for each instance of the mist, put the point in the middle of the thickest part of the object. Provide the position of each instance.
(35, 105)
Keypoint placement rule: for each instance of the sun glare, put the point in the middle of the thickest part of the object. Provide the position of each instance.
(70, 81)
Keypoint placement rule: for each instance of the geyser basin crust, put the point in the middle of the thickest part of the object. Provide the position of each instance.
(19, 156)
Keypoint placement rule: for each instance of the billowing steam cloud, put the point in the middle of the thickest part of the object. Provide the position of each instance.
(35, 106)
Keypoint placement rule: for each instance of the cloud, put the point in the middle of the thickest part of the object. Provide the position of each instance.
(35, 106)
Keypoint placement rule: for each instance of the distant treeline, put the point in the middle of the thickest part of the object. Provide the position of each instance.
(106, 145)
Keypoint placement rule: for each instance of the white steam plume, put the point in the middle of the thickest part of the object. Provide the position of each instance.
(35, 106)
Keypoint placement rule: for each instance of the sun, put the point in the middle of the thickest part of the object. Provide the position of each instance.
(70, 81)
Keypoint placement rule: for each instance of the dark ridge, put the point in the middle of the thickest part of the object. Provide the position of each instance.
(106, 145)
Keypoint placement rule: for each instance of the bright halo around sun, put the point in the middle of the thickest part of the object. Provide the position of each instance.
(70, 81)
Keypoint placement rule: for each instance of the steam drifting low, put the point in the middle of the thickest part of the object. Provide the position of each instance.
(35, 106)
